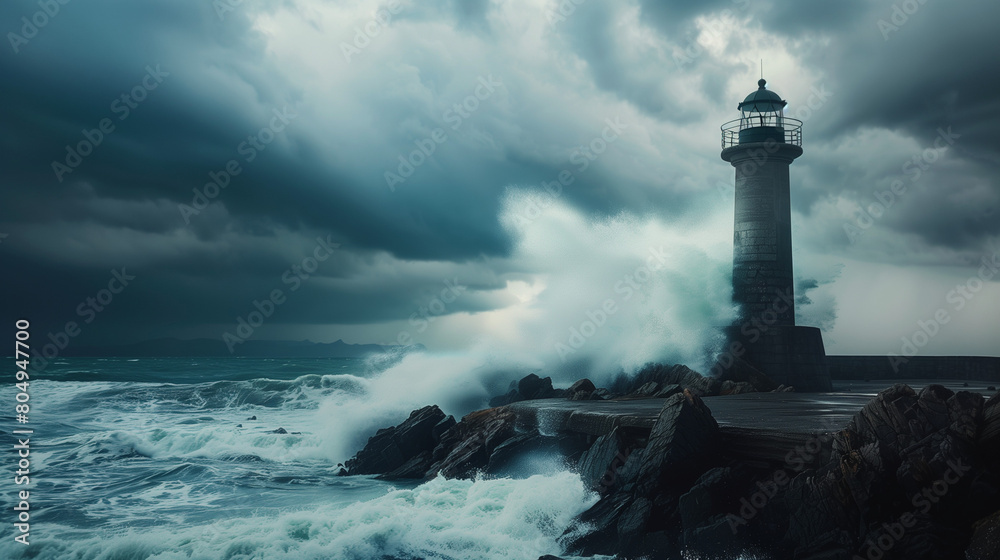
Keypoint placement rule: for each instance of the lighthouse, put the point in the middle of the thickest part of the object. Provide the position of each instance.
(761, 145)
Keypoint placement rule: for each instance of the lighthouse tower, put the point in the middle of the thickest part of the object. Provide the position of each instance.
(761, 145)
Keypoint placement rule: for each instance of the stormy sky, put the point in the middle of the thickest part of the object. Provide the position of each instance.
(459, 171)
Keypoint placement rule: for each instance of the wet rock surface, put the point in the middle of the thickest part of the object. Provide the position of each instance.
(913, 474)
(528, 388)
(908, 477)
(398, 451)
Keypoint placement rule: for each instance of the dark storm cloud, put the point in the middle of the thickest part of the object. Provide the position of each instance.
(324, 172)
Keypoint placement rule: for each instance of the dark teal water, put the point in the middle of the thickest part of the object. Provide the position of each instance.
(177, 459)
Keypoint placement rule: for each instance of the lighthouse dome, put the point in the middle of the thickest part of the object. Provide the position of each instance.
(762, 101)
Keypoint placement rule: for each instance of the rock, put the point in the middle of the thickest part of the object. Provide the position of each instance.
(647, 390)
(601, 521)
(681, 442)
(414, 467)
(680, 447)
(533, 387)
(549, 557)
(991, 388)
(529, 387)
(514, 457)
(279, 431)
(985, 542)
(581, 390)
(400, 451)
(239, 425)
(441, 427)
(254, 417)
(597, 465)
(632, 522)
(602, 394)
(898, 447)
(511, 449)
(467, 446)
(706, 498)
(743, 371)
(668, 390)
(736, 388)
(685, 484)
(665, 375)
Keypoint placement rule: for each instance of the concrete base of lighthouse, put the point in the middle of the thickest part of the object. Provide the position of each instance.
(789, 355)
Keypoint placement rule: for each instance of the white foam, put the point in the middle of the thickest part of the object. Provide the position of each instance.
(499, 519)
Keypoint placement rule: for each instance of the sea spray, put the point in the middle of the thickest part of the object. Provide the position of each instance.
(669, 283)
(634, 289)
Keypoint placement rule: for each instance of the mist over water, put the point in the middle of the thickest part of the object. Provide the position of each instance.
(606, 295)
(669, 284)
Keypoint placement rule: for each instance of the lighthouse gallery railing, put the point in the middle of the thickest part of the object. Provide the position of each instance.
(781, 129)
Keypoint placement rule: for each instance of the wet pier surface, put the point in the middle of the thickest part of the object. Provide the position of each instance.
(789, 413)
(754, 425)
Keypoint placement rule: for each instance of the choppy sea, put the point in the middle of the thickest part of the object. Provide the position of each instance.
(177, 458)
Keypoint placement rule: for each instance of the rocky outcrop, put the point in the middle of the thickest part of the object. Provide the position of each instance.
(429, 443)
(653, 378)
(910, 476)
(640, 493)
(403, 451)
(582, 390)
(468, 446)
(528, 388)
(652, 381)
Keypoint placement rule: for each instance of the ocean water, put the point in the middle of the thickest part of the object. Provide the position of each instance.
(175, 458)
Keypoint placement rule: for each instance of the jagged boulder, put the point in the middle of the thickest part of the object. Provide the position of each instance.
(907, 479)
(682, 443)
(581, 390)
(602, 394)
(668, 391)
(634, 515)
(402, 451)
(706, 510)
(528, 388)
(600, 465)
(469, 444)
